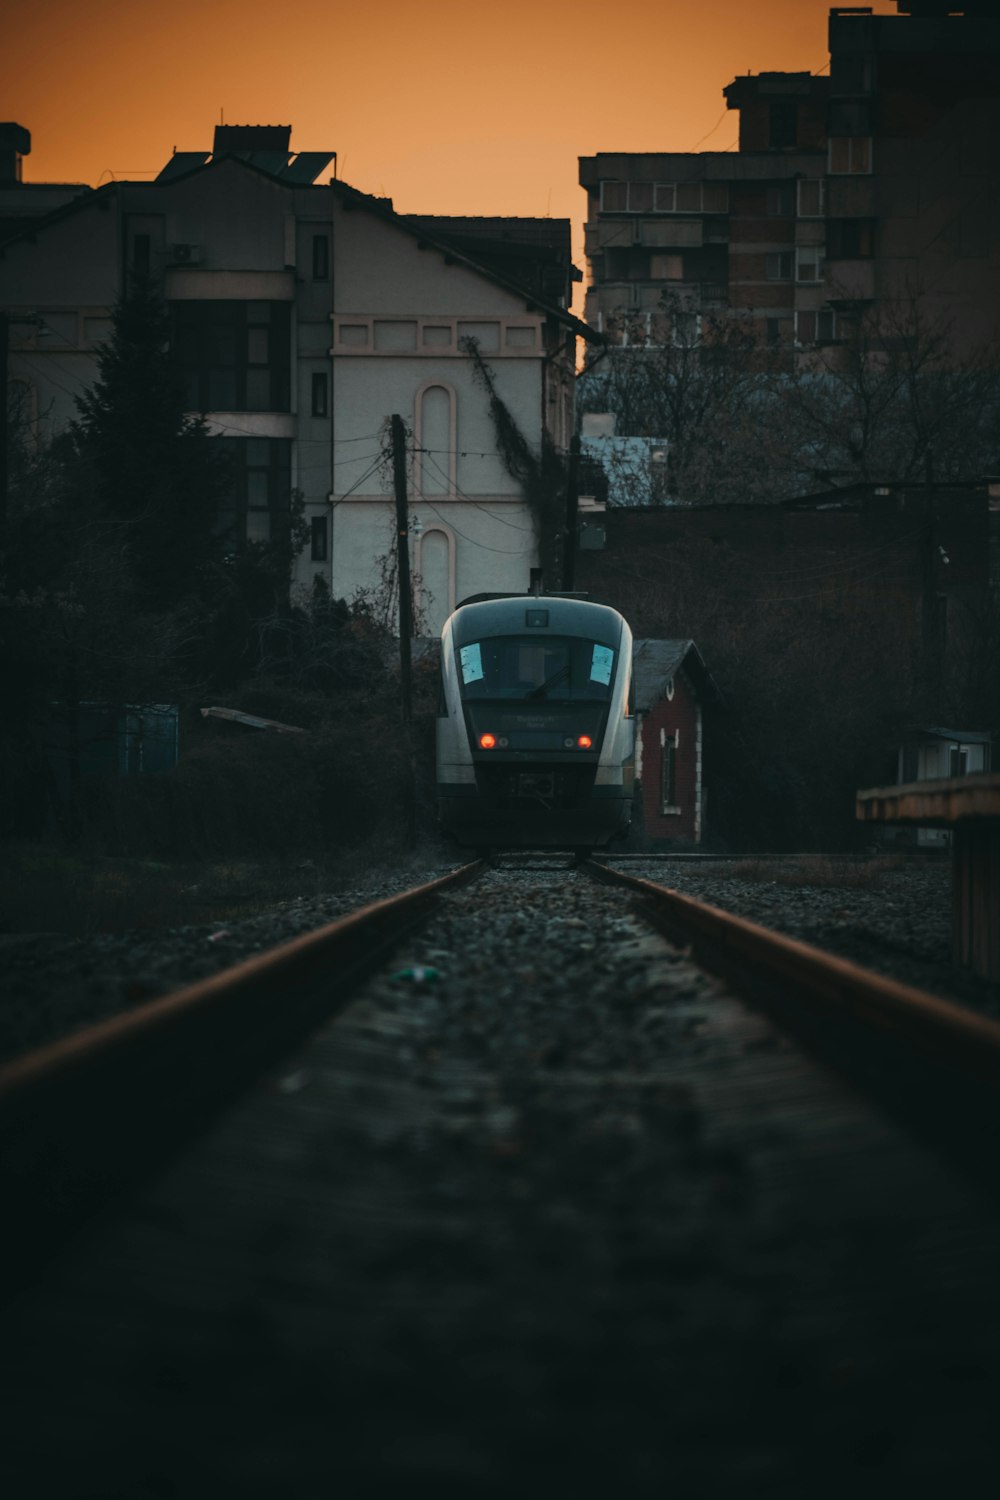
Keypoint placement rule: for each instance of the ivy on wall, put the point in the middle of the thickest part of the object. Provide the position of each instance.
(543, 477)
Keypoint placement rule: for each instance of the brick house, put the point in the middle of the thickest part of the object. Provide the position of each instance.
(672, 687)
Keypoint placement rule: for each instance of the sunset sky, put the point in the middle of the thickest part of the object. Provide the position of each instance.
(446, 106)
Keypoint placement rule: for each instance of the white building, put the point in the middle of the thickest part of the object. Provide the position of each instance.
(305, 314)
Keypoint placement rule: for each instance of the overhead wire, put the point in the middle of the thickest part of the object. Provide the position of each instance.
(479, 504)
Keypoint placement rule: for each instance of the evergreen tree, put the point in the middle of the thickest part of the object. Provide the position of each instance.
(143, 465)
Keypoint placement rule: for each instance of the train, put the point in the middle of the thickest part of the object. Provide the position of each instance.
(535, 733)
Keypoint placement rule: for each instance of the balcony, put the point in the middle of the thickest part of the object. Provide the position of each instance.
(850, 281)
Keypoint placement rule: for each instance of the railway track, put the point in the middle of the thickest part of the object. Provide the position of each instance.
(543, 1203)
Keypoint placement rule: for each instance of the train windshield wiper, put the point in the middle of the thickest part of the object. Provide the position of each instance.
(542, 689)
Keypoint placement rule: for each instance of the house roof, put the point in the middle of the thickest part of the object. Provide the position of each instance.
(536, 253)
(452, 250)
(283, 172)
(956, 736)
(655, 662)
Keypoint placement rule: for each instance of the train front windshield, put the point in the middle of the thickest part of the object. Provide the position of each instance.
(535, 669)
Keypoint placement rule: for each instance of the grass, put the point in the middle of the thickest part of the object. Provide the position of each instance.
(50, 889)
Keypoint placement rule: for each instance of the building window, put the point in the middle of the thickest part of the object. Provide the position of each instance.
(850, 239)
(666, 267)
(318, 538)
(783, 123)
(811, 197)
(685, 329)
(665, 197)
(668, 774)
(141, 254)
(779, 265)
(436, 437)
(321, 257)
(816, 327)
(320, 393)
(958, 761)
(809, 263)
(435, 559)
(257, 506)
(235, 356)
(850, 153)
(781, 200)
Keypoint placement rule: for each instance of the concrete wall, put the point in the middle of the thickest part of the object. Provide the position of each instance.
(402, 312)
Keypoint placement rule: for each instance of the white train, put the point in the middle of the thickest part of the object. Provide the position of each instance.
(535, 735)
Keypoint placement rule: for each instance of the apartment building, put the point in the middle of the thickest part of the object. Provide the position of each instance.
(869, 187)
(304, 314)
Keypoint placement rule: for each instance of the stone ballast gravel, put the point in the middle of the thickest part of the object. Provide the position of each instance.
(544, 1210)
(899, 925)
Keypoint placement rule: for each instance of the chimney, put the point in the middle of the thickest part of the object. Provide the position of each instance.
(240, 138)
(15, 143)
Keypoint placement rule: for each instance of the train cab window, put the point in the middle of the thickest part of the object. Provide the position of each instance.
(532, 669)
(471, 659)
(601, 662)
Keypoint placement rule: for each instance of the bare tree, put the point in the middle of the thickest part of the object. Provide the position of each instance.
(702, 383)
(891, 400)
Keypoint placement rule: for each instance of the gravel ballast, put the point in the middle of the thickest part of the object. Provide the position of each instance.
(895, 920)
(544, 1210)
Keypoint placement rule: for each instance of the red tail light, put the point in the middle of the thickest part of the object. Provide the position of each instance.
(487, 741)
(584, 741)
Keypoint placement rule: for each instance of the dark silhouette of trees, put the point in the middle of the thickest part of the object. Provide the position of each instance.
(888, 400)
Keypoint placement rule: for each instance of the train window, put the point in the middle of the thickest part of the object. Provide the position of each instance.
(600, 664)
(471, 658)
(534, 668)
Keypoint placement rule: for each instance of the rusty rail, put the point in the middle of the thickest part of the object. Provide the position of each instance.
(926, 1057)
(87, 1115)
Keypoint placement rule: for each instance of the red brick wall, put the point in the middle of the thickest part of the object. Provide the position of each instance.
(671, 716)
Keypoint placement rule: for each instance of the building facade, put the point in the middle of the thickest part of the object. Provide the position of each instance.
(876, 186)
(304, 315)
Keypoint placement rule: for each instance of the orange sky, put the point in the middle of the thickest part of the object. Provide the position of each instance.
(446, 106)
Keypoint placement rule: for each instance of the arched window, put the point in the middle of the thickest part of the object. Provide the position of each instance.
(435, 566)
(436, 438)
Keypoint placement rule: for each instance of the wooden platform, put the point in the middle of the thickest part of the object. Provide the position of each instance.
(970, 806)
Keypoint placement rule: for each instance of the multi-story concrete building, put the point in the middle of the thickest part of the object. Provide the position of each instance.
(304, 315)
(877, 185)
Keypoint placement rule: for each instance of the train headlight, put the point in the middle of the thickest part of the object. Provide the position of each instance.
(584, 741)
(568, 742)
(503, 742)
(487, 741)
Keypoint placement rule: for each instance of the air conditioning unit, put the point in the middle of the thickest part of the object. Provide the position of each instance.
(186, 255)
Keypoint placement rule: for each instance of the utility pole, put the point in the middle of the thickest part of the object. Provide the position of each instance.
(405, 609)
(5, 423)
(402, 562)
(572, 508)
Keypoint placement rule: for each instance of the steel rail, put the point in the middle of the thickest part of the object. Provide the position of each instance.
(87, 1115)
(925, 1056)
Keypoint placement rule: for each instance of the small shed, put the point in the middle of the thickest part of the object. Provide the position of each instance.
(672, 686)
(930, 753)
